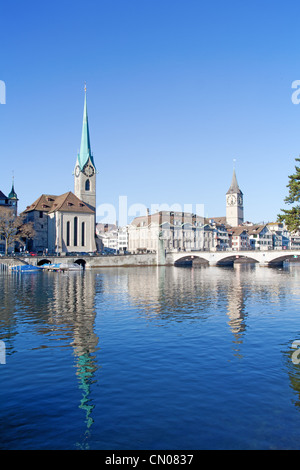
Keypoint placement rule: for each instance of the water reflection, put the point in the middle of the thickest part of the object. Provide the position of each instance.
(60, 309)
(189, 309)
(74, 305)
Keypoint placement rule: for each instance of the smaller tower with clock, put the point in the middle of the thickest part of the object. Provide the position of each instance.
(85, 170)
(234, 204)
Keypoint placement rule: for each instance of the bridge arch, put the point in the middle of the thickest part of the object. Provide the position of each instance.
(279, 260)
(191, 260)
(41, 262)
(81, 262)
(231, 259)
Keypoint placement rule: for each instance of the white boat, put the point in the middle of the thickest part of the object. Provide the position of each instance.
(61, 267)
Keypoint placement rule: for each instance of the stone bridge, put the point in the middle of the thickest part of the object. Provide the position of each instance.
(228, 258)
(210, 258)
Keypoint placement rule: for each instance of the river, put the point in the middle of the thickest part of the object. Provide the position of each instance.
(150, 358)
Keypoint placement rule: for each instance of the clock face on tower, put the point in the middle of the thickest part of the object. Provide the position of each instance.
(231, 200)
(240, 200)
(88, 170)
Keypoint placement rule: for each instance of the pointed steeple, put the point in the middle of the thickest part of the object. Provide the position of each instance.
(13, 194)
(234, 187)
(85, 147)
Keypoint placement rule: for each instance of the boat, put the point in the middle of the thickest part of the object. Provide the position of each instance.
(61, 267)
(24, 268)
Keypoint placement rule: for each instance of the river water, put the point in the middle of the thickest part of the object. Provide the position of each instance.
(150, 358)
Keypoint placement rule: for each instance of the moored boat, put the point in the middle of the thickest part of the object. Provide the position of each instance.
(61, 267)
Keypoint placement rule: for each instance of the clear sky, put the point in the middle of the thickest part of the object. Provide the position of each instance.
(176, 90)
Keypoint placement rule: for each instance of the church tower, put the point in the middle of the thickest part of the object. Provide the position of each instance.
(234, 204)
(13, 198)
(85, 170)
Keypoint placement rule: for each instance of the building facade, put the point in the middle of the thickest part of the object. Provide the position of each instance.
(260, 237)
(179, 231)
(112, 238)
(62, 224)
(239, 238)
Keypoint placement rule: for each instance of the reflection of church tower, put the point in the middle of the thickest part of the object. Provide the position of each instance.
(74, 305)
(236, 307)
(85, 170)
(234, 204)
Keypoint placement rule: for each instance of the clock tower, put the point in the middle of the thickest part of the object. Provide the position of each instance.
(234, 204)
(85, 170)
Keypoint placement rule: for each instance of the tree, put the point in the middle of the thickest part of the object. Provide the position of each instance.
(13, 228)
(291, 217)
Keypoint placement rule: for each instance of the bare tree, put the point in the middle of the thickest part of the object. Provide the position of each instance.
(13, 229)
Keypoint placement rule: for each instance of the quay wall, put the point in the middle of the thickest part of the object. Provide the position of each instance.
(148, 259)
(268, 258)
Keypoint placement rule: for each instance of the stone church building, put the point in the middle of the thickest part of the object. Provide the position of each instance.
(66, 223)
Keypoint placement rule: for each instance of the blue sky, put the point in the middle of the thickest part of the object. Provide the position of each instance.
(176, 91)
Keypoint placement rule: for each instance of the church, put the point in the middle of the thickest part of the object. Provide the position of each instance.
(66, 223)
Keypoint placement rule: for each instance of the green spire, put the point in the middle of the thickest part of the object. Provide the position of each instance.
(13, 194)
(85, 147)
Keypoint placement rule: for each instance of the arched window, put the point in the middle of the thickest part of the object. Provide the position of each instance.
(75, 230)
(68, 233)
(87, 185)
(83, 234)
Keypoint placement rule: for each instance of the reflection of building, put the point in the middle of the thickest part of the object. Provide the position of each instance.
(66, 223)
(236, 305)
(73, 309)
